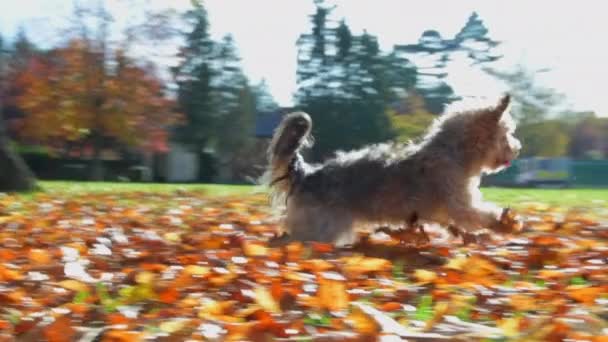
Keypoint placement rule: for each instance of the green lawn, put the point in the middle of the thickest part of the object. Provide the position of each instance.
(97, 187)
(559, 197)
(509, 197)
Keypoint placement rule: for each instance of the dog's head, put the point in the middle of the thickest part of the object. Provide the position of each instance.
(492, 132)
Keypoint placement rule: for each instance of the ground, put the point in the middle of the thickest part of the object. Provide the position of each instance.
(124, 262)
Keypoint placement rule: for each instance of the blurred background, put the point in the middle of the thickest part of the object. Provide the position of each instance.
(191, 91)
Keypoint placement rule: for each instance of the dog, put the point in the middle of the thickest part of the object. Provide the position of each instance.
(434, 180)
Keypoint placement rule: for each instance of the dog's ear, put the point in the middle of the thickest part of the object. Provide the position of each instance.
(502, 106)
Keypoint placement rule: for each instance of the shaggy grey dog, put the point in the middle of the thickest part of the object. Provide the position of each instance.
(433, 181)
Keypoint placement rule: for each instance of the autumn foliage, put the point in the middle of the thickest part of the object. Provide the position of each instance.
(179, 266)
(76, 92)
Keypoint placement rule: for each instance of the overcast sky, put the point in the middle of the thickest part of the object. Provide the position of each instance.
(566, 36)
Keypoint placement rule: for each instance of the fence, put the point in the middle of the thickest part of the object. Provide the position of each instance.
(577, 173)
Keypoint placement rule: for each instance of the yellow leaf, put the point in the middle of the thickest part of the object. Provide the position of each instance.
(332, 294)
(264, 298)
(172, 237)
(8, 274)
(211, 308)
(424, 276)
(173, 325)
(439, 310)
(362, 322)
(456, 263)
(252, 249)
(145, 277)
(550, 274)
(522, 302)
(510, 326)
(197, 270)
(74, 285)
(359, 264)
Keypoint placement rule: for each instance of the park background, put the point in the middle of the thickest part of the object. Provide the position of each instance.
(151, 91)
(132, 132)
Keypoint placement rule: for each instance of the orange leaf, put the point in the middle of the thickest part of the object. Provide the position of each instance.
(116, 318)
(332, 293)
(253, 249)
(122, 336)
(585, 295)
(362, 322)
(322, 247)
(60, 330)
(39, 256)
(391, 306)
(547, 240)
(7, 255)
(153, 267)
(7, 274)
(169, 296)
(316, 265)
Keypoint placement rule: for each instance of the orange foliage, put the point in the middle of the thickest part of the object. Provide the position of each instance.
(74, 92)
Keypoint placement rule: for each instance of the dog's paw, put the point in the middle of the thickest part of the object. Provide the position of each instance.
(508, 222)
(279, 240)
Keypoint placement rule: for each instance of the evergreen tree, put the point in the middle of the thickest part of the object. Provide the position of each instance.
(532, 103)
(436, 52)
(264, 101)
(346, 83)
(214, 94)
(193, 77)
(474, 39)
(234, 103)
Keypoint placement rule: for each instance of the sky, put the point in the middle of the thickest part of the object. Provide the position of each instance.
(565, 36)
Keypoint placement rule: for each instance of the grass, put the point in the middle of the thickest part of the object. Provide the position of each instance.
(504, 196)
(559, 197)
(100, 187)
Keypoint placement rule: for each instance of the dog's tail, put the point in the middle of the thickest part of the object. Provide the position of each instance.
(286, 166)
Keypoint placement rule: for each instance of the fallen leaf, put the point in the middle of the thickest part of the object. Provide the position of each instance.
(424, 276)
(74, 285)
(60, 330)
(265, 300)
(332, 293)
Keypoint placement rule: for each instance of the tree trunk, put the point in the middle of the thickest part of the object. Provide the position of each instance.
(15, 175)
(97, 172)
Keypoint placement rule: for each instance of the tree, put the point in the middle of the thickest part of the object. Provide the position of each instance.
(549, 138)
(532, 103)
(236, 111)
(193, 76)
(14, 173)
(346, 82)
(82, 96)
(544, 125)
(590, 138)
(214, 94)
(89, 90)
(410, 119)
(264, 102)
(435, 53)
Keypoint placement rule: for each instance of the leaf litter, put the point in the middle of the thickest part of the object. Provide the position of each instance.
(140, 266)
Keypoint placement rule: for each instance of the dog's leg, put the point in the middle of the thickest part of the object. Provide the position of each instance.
(316, 223)
(473, 218)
